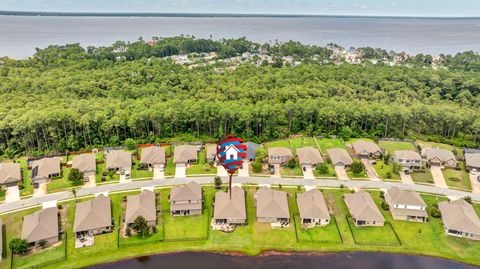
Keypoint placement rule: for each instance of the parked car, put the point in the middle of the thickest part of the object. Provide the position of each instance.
(127, 176)
(478, 178)
(86, 179)
(474, 171)
(272, 169)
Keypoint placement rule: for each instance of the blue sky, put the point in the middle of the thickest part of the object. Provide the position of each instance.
(443, 8)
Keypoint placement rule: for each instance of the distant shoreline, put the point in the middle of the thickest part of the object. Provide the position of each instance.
(207, 15)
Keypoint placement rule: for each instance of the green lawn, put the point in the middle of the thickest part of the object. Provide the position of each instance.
(424, 176)
(385, 171)
(328, 143)
(277, 143)
(201, 167)
(301, 142)
(40, 256)
(426, 144)
(62, 183)
(26, 188)
(382, 235)
(101, 167)
(169, 168)
(392, 146)
(291, 172)
(351, 140)
(329, 173)
(140, 173)
(457, 178)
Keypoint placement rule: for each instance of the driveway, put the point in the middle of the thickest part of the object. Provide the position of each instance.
(12, 194)
(341, 172)
(221, 172)
(276, 167)
(91, 182)
(308, 173)
(407, 179)
(158, 173)
(372, 174)
(244, 172)
(41, 190)
(438, 177)
(180, 170)
(475, 183)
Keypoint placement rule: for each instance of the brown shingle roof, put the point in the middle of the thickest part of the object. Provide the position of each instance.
(311, 205)
(183, 153)
(438, 153)
(402, 197)
(472, 159)
(460, 215)
(278, 154)
(85, 162)
(142, 204)
(119, 159)
(406, 154)
(226, 208)
(309, 155)
(9, 173)
(272, 203)
(93, 214)
(362, 207)
(45, 167)
(40, 225)
(152, 155)
(211, 151)
(363, 147)
(339, 156)
(191, 191)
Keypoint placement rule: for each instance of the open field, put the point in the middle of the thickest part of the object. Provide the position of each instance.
(392, 146)
(328, 143)
(277, 143)
(300, 142)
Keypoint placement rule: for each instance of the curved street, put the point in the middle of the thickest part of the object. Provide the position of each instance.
(332, 183)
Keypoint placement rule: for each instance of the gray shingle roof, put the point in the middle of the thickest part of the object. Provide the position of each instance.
(363, 147)
(441, 154)
(142, 204)
(40, 225)
(402, 197)
(311, 205)
(362, 207)
(272, 203)
(339, 156)
(85, 162)
(226, 208)
(93, 214)
(309, 155)
(406, 154)
(472, 159)
(191, 191)
(119, 159)
(45, 167)
(9, 173)
(152, 155)
(251, 147)
(460, 215)
(184, 153)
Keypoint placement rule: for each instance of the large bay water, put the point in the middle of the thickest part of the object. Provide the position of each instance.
(20, 35)
(345, 260)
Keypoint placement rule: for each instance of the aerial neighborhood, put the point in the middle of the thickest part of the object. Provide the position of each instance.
(186, 211)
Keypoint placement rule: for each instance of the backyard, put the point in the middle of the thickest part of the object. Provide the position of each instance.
(300, 142)
(392, 146)
(202, 166)
(328, 143)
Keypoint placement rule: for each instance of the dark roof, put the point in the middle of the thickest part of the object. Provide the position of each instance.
(251, 147)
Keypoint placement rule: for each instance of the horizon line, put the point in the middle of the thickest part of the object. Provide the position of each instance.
(203, 14)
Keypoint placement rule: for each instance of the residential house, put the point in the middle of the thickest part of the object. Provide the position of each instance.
(279, 155)
(439, 157)
(459, 219)
(229, 211)
(142, 204)
(93, 217)
(153, 157)
(211, 154)
(339, 157)
(85, 163)
(251, 148)
(120, 161)
(272, 206)
(406, 205)
(185, 154)
(363, 210)
(45, 169)
(313, 209)
(309, 157)
(366, 149)
(186, 200)
(41, 226)
(472, 161)
(10, 174)
(410, 160)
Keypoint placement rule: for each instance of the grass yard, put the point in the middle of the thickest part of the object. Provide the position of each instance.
(351, 140)
(328, 143)
(385, 171)
(301, 142)
(291, 172)
(424, 176)
(169, 168)
(49, 254)
(277, 143)
(379, 236)
(330, 172)
(459, 179)
(140, 173)
(426, 144)
(101, 167)
(26, 187)
(392, 146)
(202, 167)
(62, 183)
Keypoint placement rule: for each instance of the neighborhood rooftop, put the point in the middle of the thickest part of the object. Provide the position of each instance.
(40, 225)
(472, 159)
(406, 155)
(339, 156)
(142, 204)
(460, 216)
(402, 197)
(118, 159)
(152, 155)
(272, 203)
(10, 173)
(93, 214)
(226, 208)
(84, 162)
(251, 147)
(45, 167)
(311, 205)
(441, 154)
(362, 147)
(184, 153)
(309, 155)
(362, 207)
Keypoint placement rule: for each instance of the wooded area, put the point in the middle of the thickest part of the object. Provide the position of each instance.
(67, 97)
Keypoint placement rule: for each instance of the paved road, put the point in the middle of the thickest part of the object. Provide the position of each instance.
(34, 201)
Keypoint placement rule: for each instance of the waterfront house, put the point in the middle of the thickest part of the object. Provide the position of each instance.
(45, 169)
(251, 148)
(272, 207)
(410, 160)
(10, 174)
(459, 219)
(439, 157)
(85, 163)
(472, 160)
(185, 154)
(93, 217)
(309, 157)
(211, 154)
(339, 157)
(229, 211)
(142, 204)
(40, 227)
(406, 205)
(119, 161)
(279, 155)
(313, 209)
(366, 150)
(153, 157)
(363, 210)
(186, 200)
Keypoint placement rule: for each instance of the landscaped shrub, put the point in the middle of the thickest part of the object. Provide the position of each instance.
(18, 246)
(291, 163)
(385, 206)
(257, 167)
(435, 212)
(357, 167)
(322, 168)
(388, 175)
(218, 182)
(468, 199)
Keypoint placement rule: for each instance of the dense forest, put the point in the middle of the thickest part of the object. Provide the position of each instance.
(68, 97)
